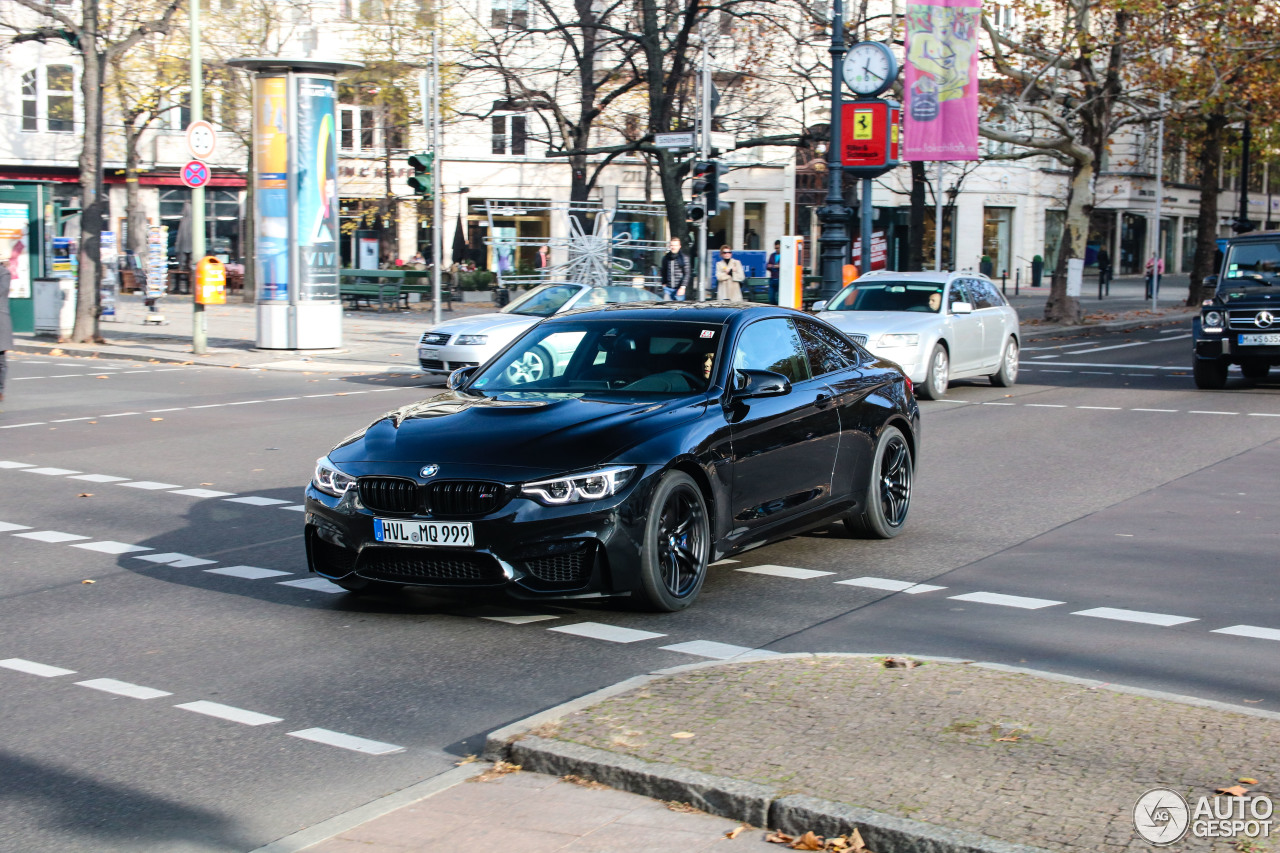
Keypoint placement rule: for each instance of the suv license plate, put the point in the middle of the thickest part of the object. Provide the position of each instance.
(449, 534)
(1267, 340)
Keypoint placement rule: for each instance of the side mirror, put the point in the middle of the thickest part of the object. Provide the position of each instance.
(748, 384)
(1210, 282)
(961, 308)
(460, 377)
(820, 305)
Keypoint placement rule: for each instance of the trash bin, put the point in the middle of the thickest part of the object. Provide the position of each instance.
(1037, 270)
(501, 296)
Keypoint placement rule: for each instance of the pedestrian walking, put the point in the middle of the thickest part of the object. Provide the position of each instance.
(1155, 269)
(676, 272)
(1104, 268)
(6, 324)
(773, 266)
(729, 276)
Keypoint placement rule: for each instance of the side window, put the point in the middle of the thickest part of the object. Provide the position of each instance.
(957, 293)
(772, 345)
(984, 295)
(822, 348)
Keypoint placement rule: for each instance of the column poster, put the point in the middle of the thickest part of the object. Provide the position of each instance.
(271, 162)
(15, 247)
(316, 177)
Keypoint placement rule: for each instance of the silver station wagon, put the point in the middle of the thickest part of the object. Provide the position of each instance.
(938, 326)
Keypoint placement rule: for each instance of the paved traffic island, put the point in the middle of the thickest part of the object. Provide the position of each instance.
(939, 756)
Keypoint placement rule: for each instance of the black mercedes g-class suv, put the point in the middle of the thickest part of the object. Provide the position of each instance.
(1241, 323)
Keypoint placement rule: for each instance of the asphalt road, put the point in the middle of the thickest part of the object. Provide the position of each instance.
(1101, 518)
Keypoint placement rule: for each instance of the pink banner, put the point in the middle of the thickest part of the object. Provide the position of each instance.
(941, 80)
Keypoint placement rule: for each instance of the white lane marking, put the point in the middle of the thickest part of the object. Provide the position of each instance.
(280, 399)
(121, 414)
(1239, 631)
(355, 744)
(609, 633)
(252, 573)
(51, 536)
(246, 402)
(208, 406)
(1263, 415)
(19, 426)
(157, 411)
(1101, 408)
(123, 688)
(1114, 346)
(7, 464)
(201, 493)
(725, 563)
(1006, 600)
(175, 560)
(1172, 332)
(150, 485)
(254, 500)
(1200, 412)
(999, 404)
(1122, 615)
(312, 396)
(1042, 357)
(718, 651)
(1122, 366)
(1055, 371)
(521, 620)
(99, 478)
(72, 420)
(168, 369)
(6, 526)
(227, 712)
(1166, 411)
(784, 572)
(1046, 405)
(50, 472)
(296, 507)
(315, 585)
(1096, 373)
(32, 668)
(110, 547)
(892, 585)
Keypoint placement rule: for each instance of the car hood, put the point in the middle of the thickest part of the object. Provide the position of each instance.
(487, 324)
(873, 323)
(528, 435)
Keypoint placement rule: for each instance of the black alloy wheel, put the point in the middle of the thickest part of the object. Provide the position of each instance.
(887, 497)
(677, 543)
(1210, 374)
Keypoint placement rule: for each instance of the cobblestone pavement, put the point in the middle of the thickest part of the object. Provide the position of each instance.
(1012, 756)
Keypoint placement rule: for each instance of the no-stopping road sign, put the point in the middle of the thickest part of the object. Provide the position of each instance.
(195, 174)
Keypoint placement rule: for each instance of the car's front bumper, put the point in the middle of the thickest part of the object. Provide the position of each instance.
(528, 549)
(443, 360)
(912, 360)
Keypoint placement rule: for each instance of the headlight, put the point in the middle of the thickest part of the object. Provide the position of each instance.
(1212, 320)
(899, 340)
(329, 479)
(591, 486)
(472, 340)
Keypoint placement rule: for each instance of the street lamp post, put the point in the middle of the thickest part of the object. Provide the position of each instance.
(834, 215)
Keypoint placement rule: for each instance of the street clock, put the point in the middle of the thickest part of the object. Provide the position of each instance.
(869, 68)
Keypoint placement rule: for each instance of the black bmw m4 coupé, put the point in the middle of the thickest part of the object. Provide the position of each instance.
(666, 436)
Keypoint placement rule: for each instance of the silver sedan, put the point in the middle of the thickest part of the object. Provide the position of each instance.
(937, 326)
(468, 341)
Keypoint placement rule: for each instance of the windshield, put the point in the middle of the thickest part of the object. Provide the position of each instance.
(1252, 264)
(624, 357)
(889, 296)
(543, 301)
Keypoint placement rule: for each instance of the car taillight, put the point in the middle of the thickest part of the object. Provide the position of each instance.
(911, 389)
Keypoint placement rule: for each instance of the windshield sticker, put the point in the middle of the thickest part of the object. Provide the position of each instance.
(708, 333)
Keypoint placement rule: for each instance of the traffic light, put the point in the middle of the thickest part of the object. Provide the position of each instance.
(694, 212)
(715, 188)
(422, 181)
(702, 176)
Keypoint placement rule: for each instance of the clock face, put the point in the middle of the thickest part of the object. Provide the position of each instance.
(869, 68)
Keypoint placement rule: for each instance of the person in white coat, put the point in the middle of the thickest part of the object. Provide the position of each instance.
(729, 276)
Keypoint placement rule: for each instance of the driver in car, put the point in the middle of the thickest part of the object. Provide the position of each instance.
(935, 301)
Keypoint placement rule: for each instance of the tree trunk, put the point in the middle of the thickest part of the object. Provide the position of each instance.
(1061, 308)
(93, 203)
(1207, 224)
(136, 222)
(915, 230)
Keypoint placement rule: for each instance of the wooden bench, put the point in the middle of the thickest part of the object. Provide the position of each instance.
(356, 292)
(391, 287)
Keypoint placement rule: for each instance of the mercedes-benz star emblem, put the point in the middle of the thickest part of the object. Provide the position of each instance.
(430, 470)
(1264, 319)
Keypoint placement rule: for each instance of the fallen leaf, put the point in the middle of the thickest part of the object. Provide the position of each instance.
(809, 841)
(88, 581)
(682, 735)
(470, 759)
(778, 838)
(683, 808)
(206, 484)
(1010, 739)
(1233, 791)
(735, 832)
(85, 495)
(899, 663)
(855, 841)
(93, 422)
(1246, 780)
(101, 377)
(1253, 701)
(157, 419)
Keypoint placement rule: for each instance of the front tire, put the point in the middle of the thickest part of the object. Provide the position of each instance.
(677, 542)
(1210, 373)
(1008, 372)
(887, 496)
(938, 376)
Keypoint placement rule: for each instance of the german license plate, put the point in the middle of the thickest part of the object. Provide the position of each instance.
(429, 353)
(448, 534)
(1271, 339)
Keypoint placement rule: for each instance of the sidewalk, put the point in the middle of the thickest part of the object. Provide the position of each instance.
(941, 756)
(387, 342)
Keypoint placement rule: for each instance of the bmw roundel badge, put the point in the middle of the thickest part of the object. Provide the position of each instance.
(430, 470)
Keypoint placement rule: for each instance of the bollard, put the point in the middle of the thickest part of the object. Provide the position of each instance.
(1004, 282)
(1017, 280)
